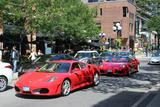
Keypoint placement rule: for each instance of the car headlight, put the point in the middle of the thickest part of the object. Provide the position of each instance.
(52, 79)
(123, 66)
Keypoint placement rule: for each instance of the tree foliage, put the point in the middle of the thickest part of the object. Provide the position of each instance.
(71, 18)
(151, 7)
(154, 24)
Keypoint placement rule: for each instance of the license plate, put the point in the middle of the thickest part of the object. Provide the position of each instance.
(109, 70)
(26, 89)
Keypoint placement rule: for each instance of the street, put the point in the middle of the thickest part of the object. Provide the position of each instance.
(111, 92)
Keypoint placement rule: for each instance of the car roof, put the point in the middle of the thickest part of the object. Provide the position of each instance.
(86, 51)
(65, 61)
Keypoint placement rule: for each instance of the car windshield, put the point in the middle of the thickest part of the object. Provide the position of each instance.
(103, 54)
(55, 67)
(157, 54)
(61, 57)
(83, 55)
(118, 59)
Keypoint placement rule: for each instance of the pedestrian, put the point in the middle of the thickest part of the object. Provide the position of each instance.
(6, 54)
(32, 55)
(0, 55)
(40, 52)
(14, 58)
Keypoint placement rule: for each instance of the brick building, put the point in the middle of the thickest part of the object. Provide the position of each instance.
(110, 12)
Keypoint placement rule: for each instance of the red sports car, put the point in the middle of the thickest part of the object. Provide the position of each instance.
(120, 66)
(58, 78)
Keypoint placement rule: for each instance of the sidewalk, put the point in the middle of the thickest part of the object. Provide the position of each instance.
(141, 55)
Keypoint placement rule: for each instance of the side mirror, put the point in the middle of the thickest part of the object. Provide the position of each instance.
(75, 70)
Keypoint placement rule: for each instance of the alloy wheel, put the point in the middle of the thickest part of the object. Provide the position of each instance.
(3, 83)
(66, 88)
(96, 79)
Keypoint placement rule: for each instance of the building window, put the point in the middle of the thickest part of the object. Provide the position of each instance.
(125, 11)
(131, 27)
(131, 15)
(131, 1)
(90, 1)
(101, 11)
(98, 25)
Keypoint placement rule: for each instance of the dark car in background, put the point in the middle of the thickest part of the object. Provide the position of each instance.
(27, 65)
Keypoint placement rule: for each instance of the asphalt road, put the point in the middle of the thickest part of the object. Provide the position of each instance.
(112, 92)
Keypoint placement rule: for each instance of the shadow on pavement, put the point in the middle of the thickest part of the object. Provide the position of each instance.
(150, 68)
(123, 99)
(9, 88)
(35, 97)
(138, 81)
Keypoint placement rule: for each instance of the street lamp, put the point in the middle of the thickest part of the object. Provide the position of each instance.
(117, 28)
(1, 33)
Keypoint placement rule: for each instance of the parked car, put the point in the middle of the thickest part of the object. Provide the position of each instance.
(57, 78)
(155, 58)
(6, 75)
(90, 57)
(27, 65)
(120, 65)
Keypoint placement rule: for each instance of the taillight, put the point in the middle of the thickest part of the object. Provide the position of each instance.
(9, 66)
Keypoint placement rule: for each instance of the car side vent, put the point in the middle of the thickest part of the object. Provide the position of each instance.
(89, 66)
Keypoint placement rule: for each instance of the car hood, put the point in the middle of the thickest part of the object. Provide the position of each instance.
(155, 58)
(39, 77)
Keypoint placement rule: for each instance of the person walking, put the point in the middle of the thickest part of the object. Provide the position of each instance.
(40, 52)
(14, 58)
(32, 55)
(0, 55)
(6, 54)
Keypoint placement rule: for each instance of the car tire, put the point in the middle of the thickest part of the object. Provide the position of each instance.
(3, 83)
(96, 79)
(129, 72)
(138, 68)
(66, 88)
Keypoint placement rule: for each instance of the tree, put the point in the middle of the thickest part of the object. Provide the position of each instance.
(151, 7)
(72, 18)
(154, 25)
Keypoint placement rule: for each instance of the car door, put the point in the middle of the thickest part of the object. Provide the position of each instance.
(76, 74)
(85, 72)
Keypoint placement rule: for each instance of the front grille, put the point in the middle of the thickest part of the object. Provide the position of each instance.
(27, 92)
(119, 72)
(17, 89)
(41, 90)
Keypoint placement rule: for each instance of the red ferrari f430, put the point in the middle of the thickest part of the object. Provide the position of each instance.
(58, 78)
(120, 66)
